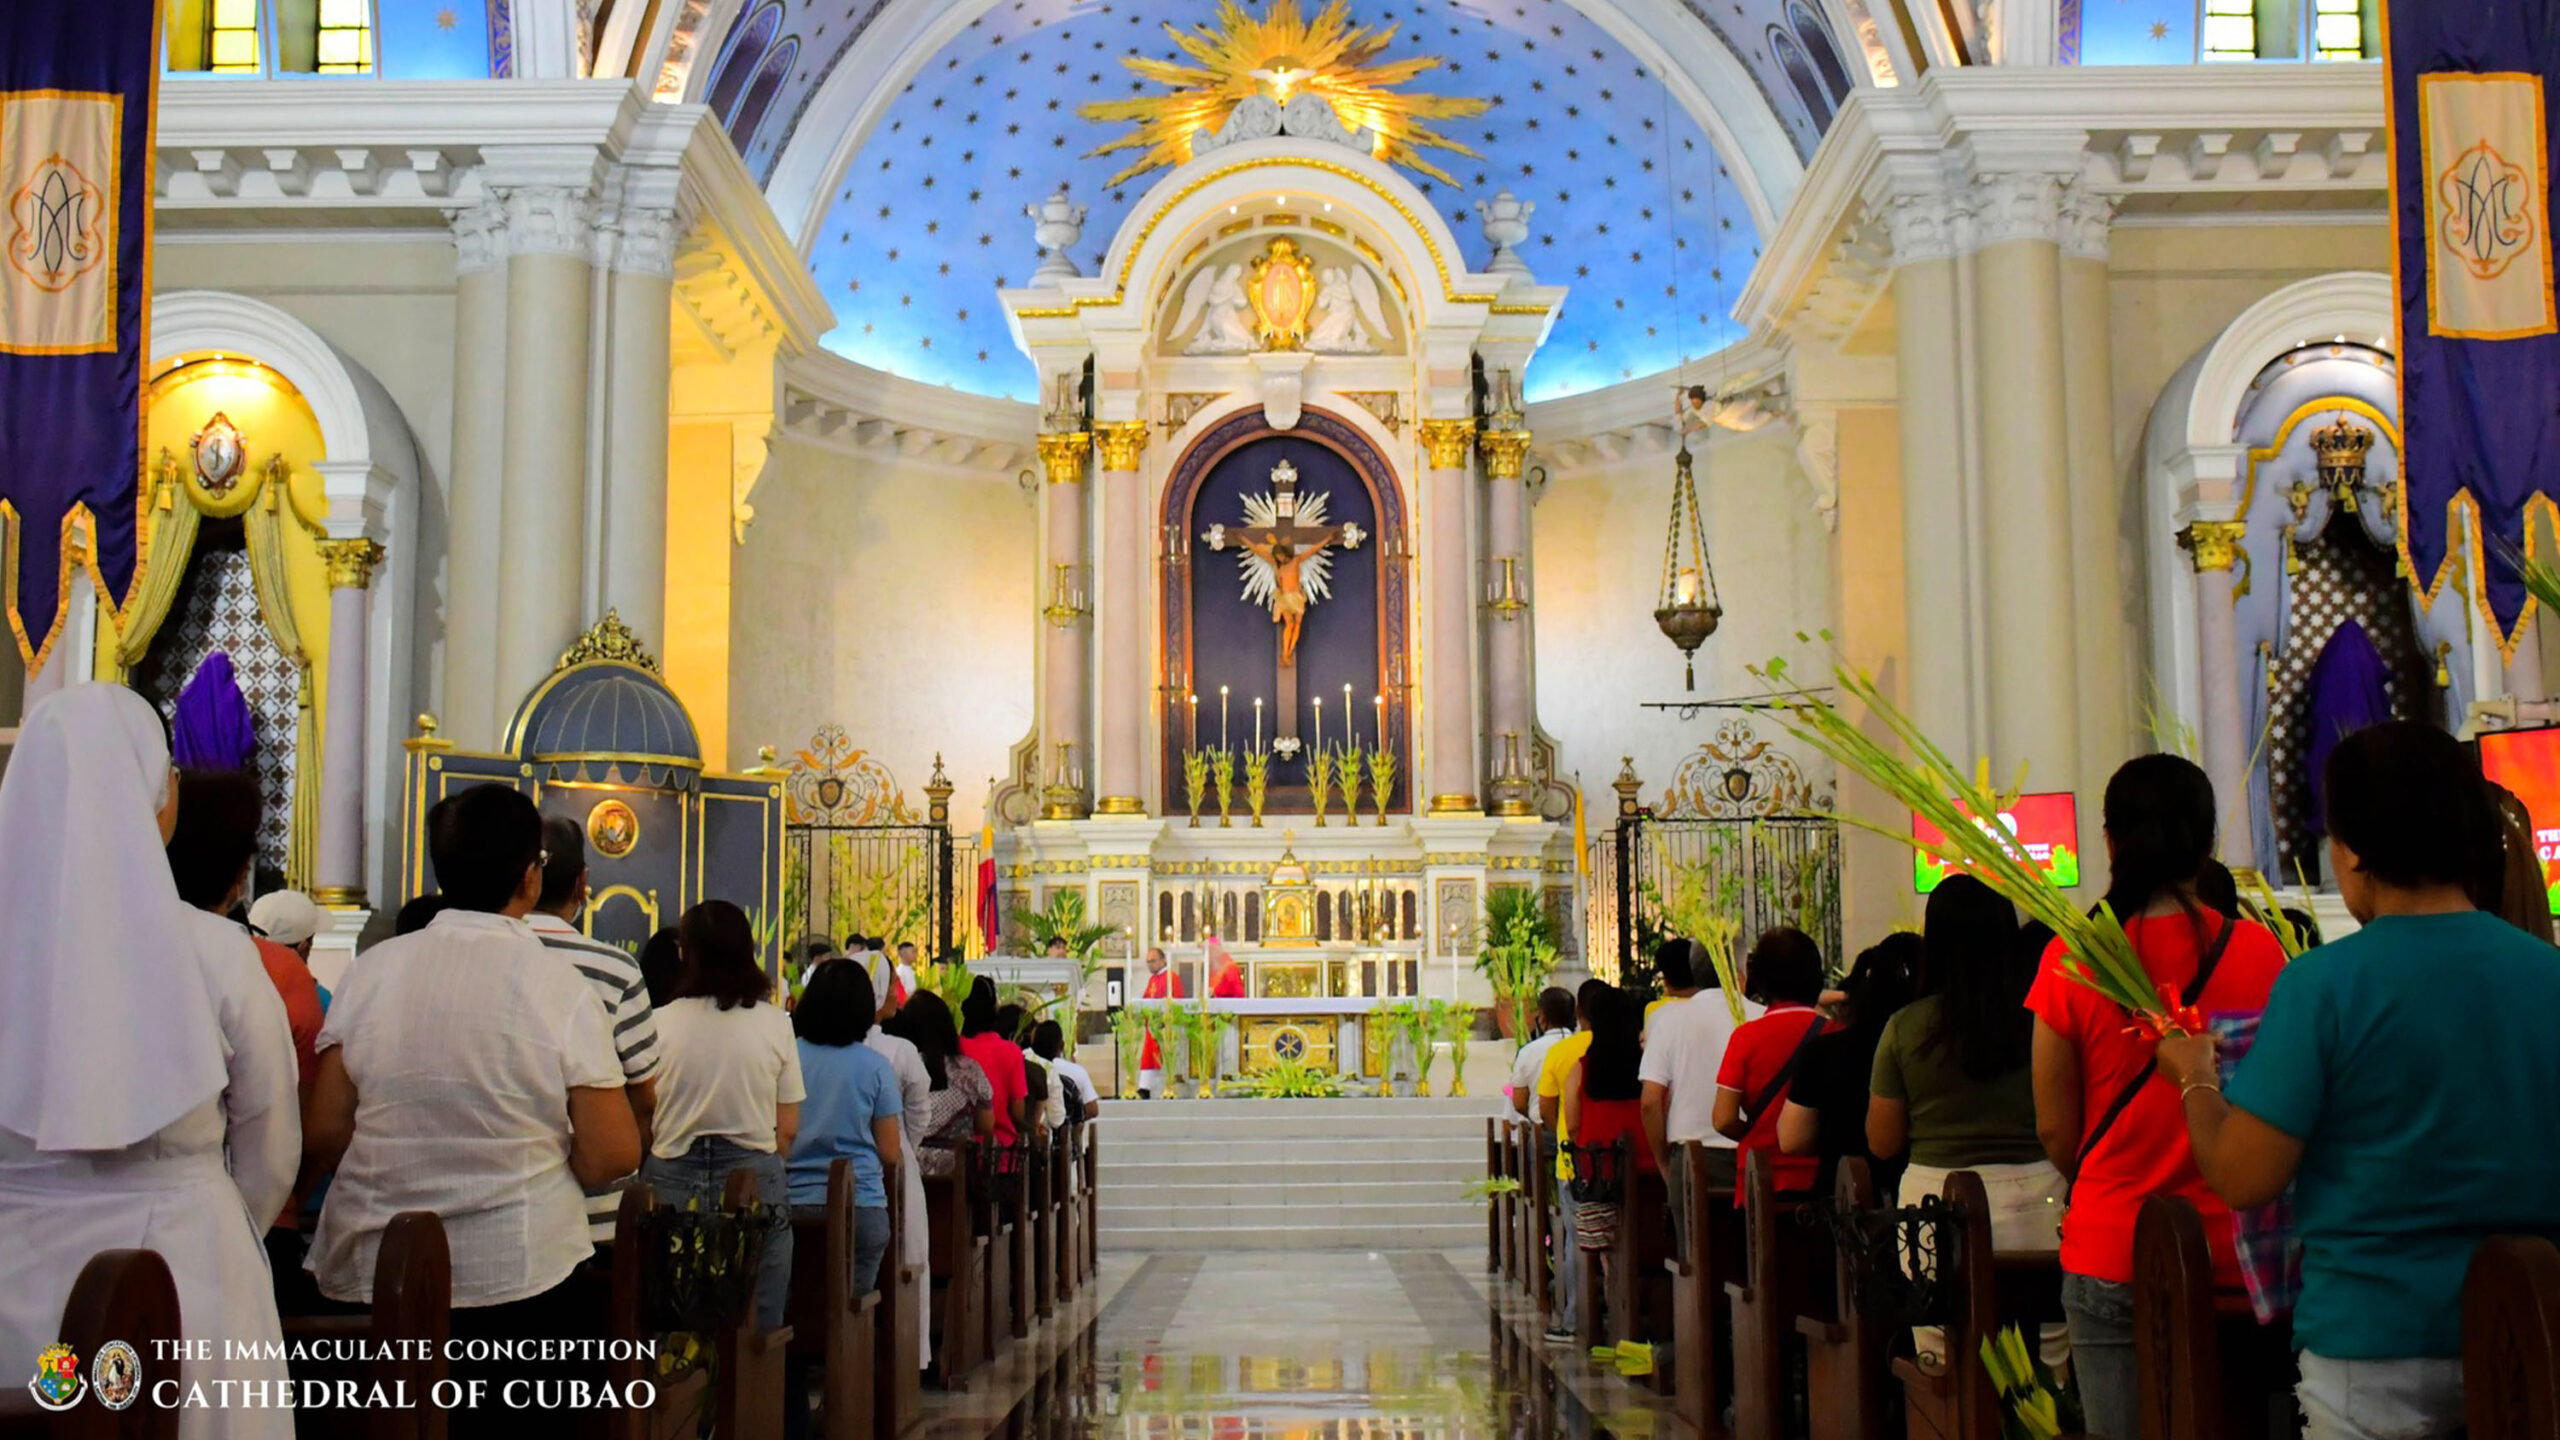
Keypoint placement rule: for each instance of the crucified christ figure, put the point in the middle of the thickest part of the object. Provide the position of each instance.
(1289, 593)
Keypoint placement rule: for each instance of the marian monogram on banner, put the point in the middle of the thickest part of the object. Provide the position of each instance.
(2488, 251)
(58, 163)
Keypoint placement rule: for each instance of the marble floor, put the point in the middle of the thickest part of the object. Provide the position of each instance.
(1342, 1345)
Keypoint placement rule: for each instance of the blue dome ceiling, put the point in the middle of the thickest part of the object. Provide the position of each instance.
(1636, 212)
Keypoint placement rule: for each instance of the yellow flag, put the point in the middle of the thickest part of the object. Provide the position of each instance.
(1581, 846)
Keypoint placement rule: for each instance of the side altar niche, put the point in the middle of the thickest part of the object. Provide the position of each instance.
(1285, 565)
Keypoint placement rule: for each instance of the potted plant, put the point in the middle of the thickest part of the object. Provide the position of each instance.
(1516, 952)
(1401, 1025)
(1454, 1022)
(1064, 922)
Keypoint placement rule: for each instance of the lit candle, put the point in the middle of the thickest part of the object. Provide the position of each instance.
(1684, 587)
(1195, 722)
(1222, 717)
(1350, 730)
(1319, 722)
(1381, 702)
(1257, 724)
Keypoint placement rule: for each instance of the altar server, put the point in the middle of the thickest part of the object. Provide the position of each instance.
(140, 1040)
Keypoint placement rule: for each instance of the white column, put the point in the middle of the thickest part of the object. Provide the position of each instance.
(1509, 709)
(2214, 546)
(636, 381)
(1449, 770)
(2108, 645)
(542, 548)
(1121, 606)
(473, 489)
(2034, 639)
(1064, 671)
(340, 873)
(1926, 233)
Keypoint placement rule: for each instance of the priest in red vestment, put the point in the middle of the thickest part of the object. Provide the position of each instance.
(1162, 984)
(1226, 978)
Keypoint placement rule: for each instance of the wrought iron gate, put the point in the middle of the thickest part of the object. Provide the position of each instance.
(898, 882)
(1769, 871)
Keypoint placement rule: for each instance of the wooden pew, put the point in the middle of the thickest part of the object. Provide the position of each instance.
(832, 1327)
(1091, 1179)
(1068, 1249)
(1497, 1154)
(1041, 1210)
(1538, 1196)
(412, 1303)
(2210, 1371)
(2511, 1339)
(746, 1401)
(1638, 1284)
(1022, 1222)
(747, 1384)
(1985, 1292)
(959, 1261)
(897, 1381)
(994, 1302)
(125, 1295)
(1784, 1274)
(1848, 1355)
(1713, 1254)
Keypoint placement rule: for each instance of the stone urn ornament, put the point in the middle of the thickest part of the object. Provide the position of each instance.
(1057, 224)
(1506, 228)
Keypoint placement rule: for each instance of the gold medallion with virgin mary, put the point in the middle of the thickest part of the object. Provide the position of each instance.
(1283, 295)
(613, 828)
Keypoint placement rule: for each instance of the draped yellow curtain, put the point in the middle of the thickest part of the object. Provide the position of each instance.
(264, 523)
(171, 542)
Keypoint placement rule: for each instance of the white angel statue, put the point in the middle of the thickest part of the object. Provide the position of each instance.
(1215, 298)
(1350, 317)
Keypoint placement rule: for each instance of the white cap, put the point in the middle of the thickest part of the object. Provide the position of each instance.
(288, 917)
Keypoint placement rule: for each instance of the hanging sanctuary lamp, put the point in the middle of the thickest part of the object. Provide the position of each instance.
(1687, 608)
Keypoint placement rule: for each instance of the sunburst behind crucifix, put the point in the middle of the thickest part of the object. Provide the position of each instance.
(1281, 53)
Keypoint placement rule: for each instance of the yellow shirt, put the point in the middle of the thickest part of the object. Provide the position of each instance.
(1561, 1058)
(1657, 1003)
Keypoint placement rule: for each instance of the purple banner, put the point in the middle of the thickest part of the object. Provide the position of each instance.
(2479, 336)
(77, 81)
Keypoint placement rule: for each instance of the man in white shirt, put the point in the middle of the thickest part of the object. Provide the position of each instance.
(1049, 1042)
(1683, 1048)
(615, 974)
(1553, 1017)
(465, 1071)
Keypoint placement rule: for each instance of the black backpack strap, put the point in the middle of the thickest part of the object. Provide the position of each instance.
(2211, 960)
(1786, 1073)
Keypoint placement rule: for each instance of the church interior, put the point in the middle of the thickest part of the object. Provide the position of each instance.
(1323, 490)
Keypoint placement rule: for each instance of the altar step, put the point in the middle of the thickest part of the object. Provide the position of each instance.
(1370, 1174)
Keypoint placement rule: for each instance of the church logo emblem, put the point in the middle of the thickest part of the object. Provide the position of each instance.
(614, 829)
(55, 234)
(219, 452)
(57, 1385)
(2488, 211)
(115, 1376)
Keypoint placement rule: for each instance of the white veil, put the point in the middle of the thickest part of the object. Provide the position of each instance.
(107, 1032)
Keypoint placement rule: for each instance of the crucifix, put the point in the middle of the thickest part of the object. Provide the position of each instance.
(1285, 567)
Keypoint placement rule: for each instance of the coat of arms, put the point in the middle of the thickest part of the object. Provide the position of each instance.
(220, 454)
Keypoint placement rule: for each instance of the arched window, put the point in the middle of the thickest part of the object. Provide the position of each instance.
(1253, 917)
(1818, 45)
(1324, 917)
(1164, 915)
(1799, 68)
(747, 46)
(760, 93)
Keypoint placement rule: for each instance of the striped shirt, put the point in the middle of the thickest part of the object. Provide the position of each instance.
(615, 975)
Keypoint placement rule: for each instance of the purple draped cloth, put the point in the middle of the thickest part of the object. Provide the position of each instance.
(2346, 693)
(213, 729)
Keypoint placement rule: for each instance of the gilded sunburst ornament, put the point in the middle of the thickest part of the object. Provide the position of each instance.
(446, 19)
(1282, 54)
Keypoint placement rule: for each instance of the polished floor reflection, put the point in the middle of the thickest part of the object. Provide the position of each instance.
(1331, 1346)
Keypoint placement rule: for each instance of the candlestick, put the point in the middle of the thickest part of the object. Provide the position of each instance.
(1257, 722)
(1195, 722)
(1319, 722)
(1381, 702)
(1350, 728)
(1222, 717)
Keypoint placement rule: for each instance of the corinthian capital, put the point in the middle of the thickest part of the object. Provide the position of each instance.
(2024, 205)
(1121, 443)
(1926, 227)
(648, 244)
(1446, 442)
(2086, 216)
(480, 238)
(548, 220)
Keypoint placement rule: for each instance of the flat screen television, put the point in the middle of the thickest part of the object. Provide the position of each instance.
(2047, 826)
(2528, 762)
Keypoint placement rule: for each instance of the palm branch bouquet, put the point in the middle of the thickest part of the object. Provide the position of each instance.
(2032, 1406)
(2260, 902)
(1382, 778)
(1720, 936)
(1129, 1036)
(2097, 951)
(1320, 779)
(949, 979)
(1257, 781)
(1222, 765)
(1346, 767)
(1195, 780)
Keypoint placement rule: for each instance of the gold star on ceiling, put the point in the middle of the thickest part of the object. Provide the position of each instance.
(446, 19)
(1279, 54)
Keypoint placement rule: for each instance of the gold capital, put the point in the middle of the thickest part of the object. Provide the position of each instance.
(1447, 441)
(350, 562)
(1504, 450)
(1122, 441)
(2213, 544)
(1062, 456)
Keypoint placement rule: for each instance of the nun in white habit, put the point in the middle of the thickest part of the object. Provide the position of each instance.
(146, 1071)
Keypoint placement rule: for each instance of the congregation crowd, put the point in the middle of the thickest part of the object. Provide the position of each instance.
(172, 1077)
(2384, 1102)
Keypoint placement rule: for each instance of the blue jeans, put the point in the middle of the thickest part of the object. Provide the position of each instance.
(701, 1174)
(870, 1240)
(2380, 1399)
(2100, 1314)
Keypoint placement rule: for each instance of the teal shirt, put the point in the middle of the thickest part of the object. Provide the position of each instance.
(2415, 1061)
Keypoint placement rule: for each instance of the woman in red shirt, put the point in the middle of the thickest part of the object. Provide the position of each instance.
(1603, 1106)
(997, 1054)
(1760, 1064)
(2108, 1123)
